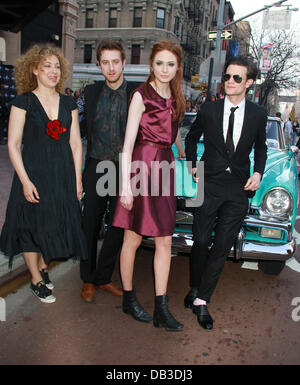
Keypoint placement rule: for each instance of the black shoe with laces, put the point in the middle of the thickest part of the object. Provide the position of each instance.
(46, 279)
(203, 316)
(42, 292)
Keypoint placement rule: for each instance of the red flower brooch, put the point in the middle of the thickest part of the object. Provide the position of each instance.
(55, 129)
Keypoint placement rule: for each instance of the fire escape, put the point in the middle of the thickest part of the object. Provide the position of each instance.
(191, 40)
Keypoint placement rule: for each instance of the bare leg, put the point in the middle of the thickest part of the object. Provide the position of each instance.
(42, 264)
(32, 262)
(162, 262)
(130, 303)
(131, 243)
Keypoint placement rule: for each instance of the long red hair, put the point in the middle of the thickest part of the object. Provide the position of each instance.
(175, 83)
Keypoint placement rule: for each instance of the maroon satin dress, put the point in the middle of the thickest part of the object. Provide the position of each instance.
(153, 186)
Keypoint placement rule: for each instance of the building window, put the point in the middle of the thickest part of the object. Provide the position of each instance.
(135, 54)
(160, 18)
(88, 53)
(176, 26)
(137, 17)
(89, 18)
(206, 23)
(112, 22)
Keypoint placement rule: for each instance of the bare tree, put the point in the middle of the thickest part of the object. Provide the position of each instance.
(285, 69)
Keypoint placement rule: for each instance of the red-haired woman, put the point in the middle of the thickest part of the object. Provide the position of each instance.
(152, 127)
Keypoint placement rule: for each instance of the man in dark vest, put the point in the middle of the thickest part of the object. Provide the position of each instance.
(231, 128)
(106, 107)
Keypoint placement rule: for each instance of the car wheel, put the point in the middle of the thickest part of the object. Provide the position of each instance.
(271, 267)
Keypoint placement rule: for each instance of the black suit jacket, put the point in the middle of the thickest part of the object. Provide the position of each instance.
(91, 97)
(209, 122)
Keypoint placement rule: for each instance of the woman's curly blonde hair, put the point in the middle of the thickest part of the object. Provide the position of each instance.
(25, 64)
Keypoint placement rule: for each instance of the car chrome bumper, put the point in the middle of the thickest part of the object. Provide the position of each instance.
(267, 251)
(243, 248)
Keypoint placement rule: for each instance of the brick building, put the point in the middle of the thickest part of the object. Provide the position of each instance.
(138, 25)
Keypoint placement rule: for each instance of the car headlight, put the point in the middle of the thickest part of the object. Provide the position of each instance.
(277, 201)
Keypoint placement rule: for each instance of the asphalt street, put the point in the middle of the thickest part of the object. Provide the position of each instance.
(256, 316)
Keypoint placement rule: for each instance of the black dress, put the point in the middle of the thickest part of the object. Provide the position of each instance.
(53, 226)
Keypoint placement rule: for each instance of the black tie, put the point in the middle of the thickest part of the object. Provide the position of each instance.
(229, 137)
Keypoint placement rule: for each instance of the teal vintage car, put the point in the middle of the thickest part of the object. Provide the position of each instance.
(266, 234)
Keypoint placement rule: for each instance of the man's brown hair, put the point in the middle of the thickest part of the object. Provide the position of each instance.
(110, 45)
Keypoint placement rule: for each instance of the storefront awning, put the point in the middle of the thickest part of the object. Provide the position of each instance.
(15, 14)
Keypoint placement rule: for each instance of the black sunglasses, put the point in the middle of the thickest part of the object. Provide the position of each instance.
(236, 78)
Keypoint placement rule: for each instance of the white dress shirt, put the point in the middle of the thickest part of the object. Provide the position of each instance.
(238, 120)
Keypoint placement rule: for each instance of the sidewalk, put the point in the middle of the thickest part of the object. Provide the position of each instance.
(6, 174)
(252, 314)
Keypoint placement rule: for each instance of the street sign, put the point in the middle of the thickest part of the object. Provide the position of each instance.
(276, 20)
(196, 84)
(226, 34)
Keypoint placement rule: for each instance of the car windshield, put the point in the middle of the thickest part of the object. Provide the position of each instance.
(186, 123)
(272, 132)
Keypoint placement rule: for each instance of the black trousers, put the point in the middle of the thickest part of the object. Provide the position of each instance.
(225, 204)
(95, 207)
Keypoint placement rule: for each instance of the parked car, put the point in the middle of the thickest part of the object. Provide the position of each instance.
(266, 234)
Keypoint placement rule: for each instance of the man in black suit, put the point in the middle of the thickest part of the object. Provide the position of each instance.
(231, 128)
(105, 116)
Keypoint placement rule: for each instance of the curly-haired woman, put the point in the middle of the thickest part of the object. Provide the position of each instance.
(43, 218)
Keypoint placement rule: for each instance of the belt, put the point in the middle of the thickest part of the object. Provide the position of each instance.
(153, 144)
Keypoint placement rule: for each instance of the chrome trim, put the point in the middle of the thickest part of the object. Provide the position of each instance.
(256, 222)
(239, 244)
(257, 251)
(243, 249)
(261, 214)
(285, 226)
(187, 213)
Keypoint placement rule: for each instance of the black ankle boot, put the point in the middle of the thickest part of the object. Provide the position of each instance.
(190, 297)
(162, 316)
(131, 306)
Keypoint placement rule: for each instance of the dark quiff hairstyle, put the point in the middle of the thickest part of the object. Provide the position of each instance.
(243, 61)
(111, 45)
(26, 80)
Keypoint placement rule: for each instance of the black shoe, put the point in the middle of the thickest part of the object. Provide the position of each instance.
(162, 316)
(190, 298)
(132, 306)
(42, 292)
(203, 316)
(46, 279)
